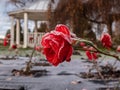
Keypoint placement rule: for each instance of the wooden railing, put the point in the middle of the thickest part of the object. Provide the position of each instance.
(34, 38)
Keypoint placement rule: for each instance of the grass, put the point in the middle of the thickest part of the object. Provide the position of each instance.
(4, 50)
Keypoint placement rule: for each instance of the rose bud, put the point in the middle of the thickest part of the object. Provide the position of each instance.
(14, 46)
(38, 48)
(5, 42)
(30, 38)
(91, 55)
(82, 44)
(106, 40)
(8, 36)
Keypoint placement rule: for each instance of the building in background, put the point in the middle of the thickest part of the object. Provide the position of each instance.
(36, 12)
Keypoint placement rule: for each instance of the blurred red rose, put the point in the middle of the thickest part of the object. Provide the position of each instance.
(8, 36)
(38, 48)
(118, 48)
(82, 44)
(91, 55)
(57, 45)
(31, 38)
(14, 46)
(106, 40)
(5, 42)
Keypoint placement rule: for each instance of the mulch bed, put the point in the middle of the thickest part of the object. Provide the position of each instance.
(108, 72)
(33, 73)
(8, 58)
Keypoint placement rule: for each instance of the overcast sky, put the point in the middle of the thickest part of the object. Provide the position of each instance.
(4, 19)
(5, 22)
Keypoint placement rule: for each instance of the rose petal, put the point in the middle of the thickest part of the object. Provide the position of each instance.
(62, 28)
(89, 55)
(106, 40)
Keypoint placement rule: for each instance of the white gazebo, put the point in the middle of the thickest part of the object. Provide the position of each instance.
(36, 12)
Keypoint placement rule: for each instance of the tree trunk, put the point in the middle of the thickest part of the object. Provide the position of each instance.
(109, 27)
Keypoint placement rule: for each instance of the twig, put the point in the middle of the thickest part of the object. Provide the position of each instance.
(98, 50)
(97, 68)
(28, 66)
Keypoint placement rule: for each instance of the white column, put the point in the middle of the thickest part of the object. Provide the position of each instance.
(35, 33)
(12, 32)
(36, 26)
(25, 30)
(18, 32)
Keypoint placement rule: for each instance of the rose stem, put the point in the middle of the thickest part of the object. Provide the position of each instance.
(98, 50)
(28, 66)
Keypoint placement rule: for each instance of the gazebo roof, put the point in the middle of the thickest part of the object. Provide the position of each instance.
(36, 11)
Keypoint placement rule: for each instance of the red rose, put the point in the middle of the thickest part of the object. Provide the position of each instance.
(82, 44)
(5, 42)
(8, 36)
(30, 38)
(91, 55)
(14, 46)
(106, 40)
(118, 49)
(95, 55)
(38, 48)
(57, 45)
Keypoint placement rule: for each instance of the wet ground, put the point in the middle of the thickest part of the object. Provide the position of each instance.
(66, 76)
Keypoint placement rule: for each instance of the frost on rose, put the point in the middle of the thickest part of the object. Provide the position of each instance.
(57, 45)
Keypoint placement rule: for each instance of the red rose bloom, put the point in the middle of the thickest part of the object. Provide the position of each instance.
(14, 46)
(31, 38)
(118, 49)
(91, 55)
(82, 44)
(8, 36)
(57, 45)
(106, 40)
(38, 48)
(5, 42)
